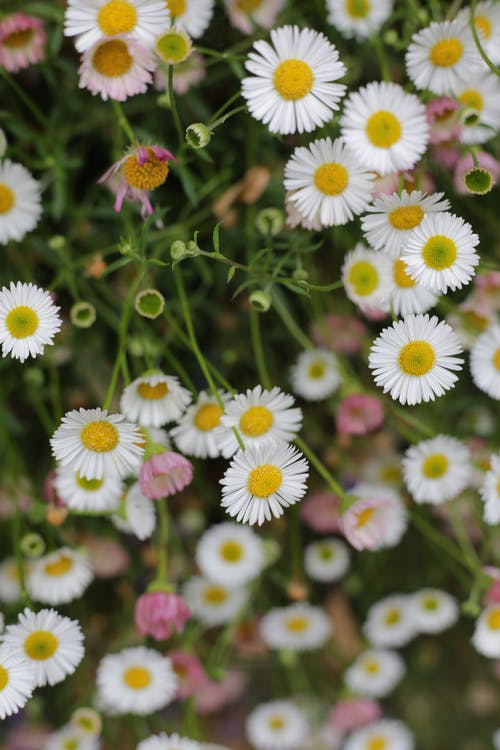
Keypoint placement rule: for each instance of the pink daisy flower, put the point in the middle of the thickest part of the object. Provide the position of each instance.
(352, 713)
(359, 414)
(165, 474)
(442, 116)
(159, 613)
(22, 42)
(245, 15)
(190, 673)
(117, 68)
(376, 519)
(321, 512)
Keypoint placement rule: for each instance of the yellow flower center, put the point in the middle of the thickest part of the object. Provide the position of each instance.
(173, 47)
(149, 176)
(117, 17)
(276, 722)
(137, 678)
(392, 617)
(112, 59)
(231, 551)
(363, 277)
(248, 6)
(371, 666)
(377, 743)
(40, 645)
(71, 744)
(357, 8)
(364, 517)
(59, 567)
(439, 252)
(91, 485)
(264, 480)
(21, 321)
(406, 217)
(256, 421)
(416, 358)
(100, 436)
(331, 178)
(390, 473)
(446, 53)
(7, 198)
(18, 39)
(401, 278)
(494, 619)
(430, 603)
(215, 595)
(473, 99)
(176, 8)
(297, 624)
(435, 466)
(293, 79)
(317, 369)
(496, 359)
(483, 24)
(325, 552)
(152, 392)
(207, 417)
(383, 129)
(4, 678)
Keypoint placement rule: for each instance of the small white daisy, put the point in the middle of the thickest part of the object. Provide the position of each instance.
(413, 359)
(50, 643)
(442, 56)
(20, 208)
(485, 362)
(137, 514)
(136, 680)
(165, 741)
(315, 375)
(71, 737)
(277, 725)
(298, 627)
(92, 20)
(482, 96)
(490, 491)
(440, 253)
(389, 623)
(433, 610)
(195, 433)
(17, 681)
(385, 734)
(262, 418)
(358, 18)
(408, 297)
(230, 554)
(384, 127)
(375, 673)
(326, 560)
(487, 20)
(367, 277)
(212, 603)
(192, 16)
(261, 482)
(292, 87)
(153, 400)
(59, 577)
(116, 69)
(10, 588)
(29, 320)
(391, 218)
(88, 495)
(327, 182)
(486, 636)
(377, 518)
(94, 443)
(87, 720)
(437, 470)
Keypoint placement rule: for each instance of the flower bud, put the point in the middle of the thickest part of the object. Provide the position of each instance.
(32, 545)
(198, 135)
(82, 314)
(260, 300)
(270, 221)
(478, 180)
(178, 250)
(174, 46)
(149, 303)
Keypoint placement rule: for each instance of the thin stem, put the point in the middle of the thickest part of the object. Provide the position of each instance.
(434, 536)
(120, 361)
(477, 41)
(123, 121)
(161, 573)
(25, 98)
(258, 350)
(320, 468)
(381, 56)
(282, 310)
(173, 106)
(222, 109)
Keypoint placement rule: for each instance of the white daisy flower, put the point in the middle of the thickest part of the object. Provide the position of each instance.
(164, 741)
(485, 362)
(367, 277)
(192, 16)
(408, 297)
(136, 680)
(327, 182)
(20, 208)
(390, 623)
(326, 560)
(297, 627)
(385, 128)
(433, 610)
(94, 443)
(277, 725)
(375, 673)
(17, 681)
(50, 643)
(442, 56)
(385, 734)
(377, 519)
(29, 320)
(439, 254)
(358, 18)
(195, 433)
(315, 375)
(486, 636)
(487, 20)
(437, 470)
(71, 737)
(59, 577)
(87, 720)
(88, 495)
(116, 69)
(137, 514)
(413, 359)
(153, 400)
(391, 218)
(230, 554)
(292, 85)
(92, 20)
(10, 587)
(261, 482)
(482, 95)
(490, 491)
(262, 418)
(213, 603)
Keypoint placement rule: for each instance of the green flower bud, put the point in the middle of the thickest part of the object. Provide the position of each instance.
(174, 46)
(198, 135)
(34, 377)
(149, 303)
(32, 545)
(478, 180)
(82, 314)
(178, 250)
(260, 300)
(270, 221)
(57, 242)
(300, 274)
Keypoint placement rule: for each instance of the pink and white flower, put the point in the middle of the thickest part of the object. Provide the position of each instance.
(22, 42)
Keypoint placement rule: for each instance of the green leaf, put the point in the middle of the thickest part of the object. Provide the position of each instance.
(230, 274)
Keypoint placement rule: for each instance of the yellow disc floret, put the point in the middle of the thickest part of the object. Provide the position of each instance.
(231, 551)
(483, 24)
(7, 198)
(99, 436)
(112, 59)
(276, 722)
(173, 47)
(392, 617)
(264, 480)
(147, 176)
(215, 595)
(496, 359)
(256, 421)
(316, 369)
(59, 567)
(248, 6)
(416, 358)
(40, 645)
(18, 39)
(297, 624)
(177, 8)
(21, 322)
(439, 252)
(207, 417)
(117, 17)
(152, 392)
(4, 678)
(363, 277)
(494, 619)
(400, 275)
(383, 129)
(377, 743)
(364, 517)
(357, 8)
(137, 678)
(91, 485)
(446, 53)
(406, 217)
(473, 99)
(435, 466)
(331, 178)
(293, 79)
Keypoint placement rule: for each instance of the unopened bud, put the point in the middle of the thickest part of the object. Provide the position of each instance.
(149, 303)
(198, 135)
(270, 221)
(478, 180)
(178, 250)
(82, 314)
(260, 300)
(32, 545)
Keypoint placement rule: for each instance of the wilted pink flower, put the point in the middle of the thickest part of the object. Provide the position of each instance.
(190, 673)
(352, 713)
(358, 414)
(484, 160)
(212, 696)
(22, 41)
(165, 474)
(108, 557)
(159, 613)
(142, 169)
(340, 333)
(321, 512)
(376, 520)
(442, 116)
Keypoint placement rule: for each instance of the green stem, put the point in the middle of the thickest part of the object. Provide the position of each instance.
(282, 310)
(123, 121)
(258, 351)
(173, 106)
(321, 468)
(434, 536)
(477, 41)
(381, 56)
(30, 104)
(214, 119)
(16, 541)
(161, 573)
